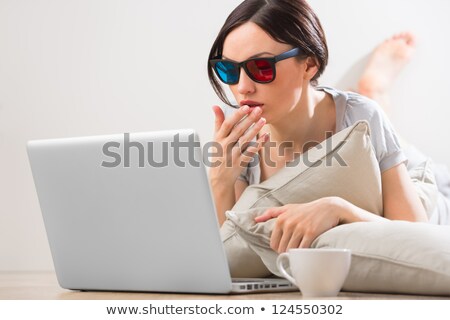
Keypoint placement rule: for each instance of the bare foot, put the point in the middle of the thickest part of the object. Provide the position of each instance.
(386, 62)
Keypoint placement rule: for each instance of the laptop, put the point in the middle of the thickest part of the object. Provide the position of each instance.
(134, 212)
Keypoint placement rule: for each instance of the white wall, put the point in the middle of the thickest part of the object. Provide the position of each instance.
(84, 67)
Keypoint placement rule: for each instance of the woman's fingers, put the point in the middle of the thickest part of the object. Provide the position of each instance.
(244, 153)
(280, 236)
(235, 129)
(290, 229)
(229, 123)
(295, 241)
(235, 135)
(286, 236)
(283, 231)
(306, 242)
(220, 117)
(269, 214)
(249, 149)
(248, 136)
(275, 238)
(239, 130)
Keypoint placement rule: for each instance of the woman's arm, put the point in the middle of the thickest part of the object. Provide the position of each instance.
(239, 188)
(225, 197)
(298, 225)
(400, 199)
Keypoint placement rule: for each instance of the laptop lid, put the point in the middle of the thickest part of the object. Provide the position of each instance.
(130, 212)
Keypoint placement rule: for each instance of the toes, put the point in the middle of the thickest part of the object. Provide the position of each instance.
(410, 38)
(407, 36)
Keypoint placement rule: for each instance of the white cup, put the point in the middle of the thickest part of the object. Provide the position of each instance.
(316, 272)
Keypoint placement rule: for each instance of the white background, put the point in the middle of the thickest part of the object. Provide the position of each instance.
(85, 67)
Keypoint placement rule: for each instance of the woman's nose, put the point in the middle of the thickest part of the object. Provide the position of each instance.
(245, 85)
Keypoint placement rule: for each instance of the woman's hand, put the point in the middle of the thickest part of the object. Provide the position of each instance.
(298, 225)
(233, 142)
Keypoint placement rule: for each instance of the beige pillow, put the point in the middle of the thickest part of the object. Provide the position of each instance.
(391, 256)
(243, 261)
(316, 174)
(394, 256)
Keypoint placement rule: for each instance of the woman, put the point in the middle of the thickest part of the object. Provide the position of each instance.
(270, 55)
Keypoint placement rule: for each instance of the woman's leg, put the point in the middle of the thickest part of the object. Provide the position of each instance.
(385, 63)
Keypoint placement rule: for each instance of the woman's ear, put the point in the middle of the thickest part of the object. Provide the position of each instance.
(312, 66)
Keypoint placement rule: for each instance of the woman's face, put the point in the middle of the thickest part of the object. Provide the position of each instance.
(278, 97)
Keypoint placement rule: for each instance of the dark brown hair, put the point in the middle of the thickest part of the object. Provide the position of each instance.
(287, 21)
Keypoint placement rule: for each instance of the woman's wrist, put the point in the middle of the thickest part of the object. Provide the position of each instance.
(224, 197)
(348, 213)
(221, 181)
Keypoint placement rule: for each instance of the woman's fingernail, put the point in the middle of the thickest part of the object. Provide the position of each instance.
(262, 121)
(245, 108)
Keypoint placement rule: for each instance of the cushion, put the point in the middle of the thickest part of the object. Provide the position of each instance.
(344, 165)
(392, 256)
(338, 166)
(243, 261)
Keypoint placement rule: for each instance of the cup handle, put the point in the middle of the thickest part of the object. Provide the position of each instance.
(281, 258)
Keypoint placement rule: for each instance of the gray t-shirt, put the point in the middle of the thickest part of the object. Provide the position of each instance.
(350, 108)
